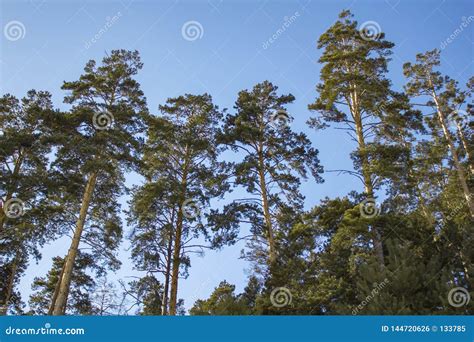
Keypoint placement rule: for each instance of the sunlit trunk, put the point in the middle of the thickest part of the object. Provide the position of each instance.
(59, 307)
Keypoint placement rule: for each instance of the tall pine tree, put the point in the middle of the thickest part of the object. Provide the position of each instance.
(101, 142)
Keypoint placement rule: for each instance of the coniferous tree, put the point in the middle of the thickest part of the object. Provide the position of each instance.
(355, 95)
(26, 212)
(275, 159)
(182, 176)
(153, 218)
(445, 99)
(224, 301)
(100, 143)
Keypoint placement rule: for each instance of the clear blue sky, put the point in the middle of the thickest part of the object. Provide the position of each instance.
(227, 58)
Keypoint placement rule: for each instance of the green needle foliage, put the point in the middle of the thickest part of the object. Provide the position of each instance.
(355, 95)
(82, 287)
(100, 141)
(274, 161)
(26, 222)
(182, 175)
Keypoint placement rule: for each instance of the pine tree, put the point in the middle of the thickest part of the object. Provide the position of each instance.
(444, 97)
(224, 301)
(355, 95)
(412, 283)
(26, 211)
(152, 215)
(182, 176)
(100, 142)
(274, 160)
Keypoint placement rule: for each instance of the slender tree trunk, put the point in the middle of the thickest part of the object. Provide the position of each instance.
(65, 280)
(266, 207)
(454, 154)
(177, 240)
(9, 196)
(56, 291)
(176, 264)
(169, 252)
(368, 186)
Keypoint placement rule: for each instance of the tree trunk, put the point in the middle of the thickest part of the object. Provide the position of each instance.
(176, 263)
(177, 240)
(368, 186)
(65, 280)
(266, 207)
(454, 155)
(169, 252)
(56, 291)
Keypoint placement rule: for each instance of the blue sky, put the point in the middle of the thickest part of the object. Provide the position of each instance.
(228, 57)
